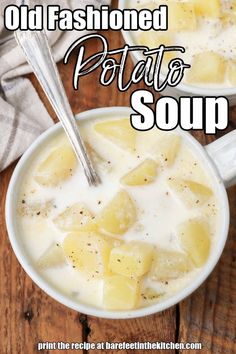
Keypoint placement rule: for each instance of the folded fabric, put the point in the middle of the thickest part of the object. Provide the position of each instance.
(23, 116)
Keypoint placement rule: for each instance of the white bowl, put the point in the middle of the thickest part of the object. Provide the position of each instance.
(15, 237)
(182, 89)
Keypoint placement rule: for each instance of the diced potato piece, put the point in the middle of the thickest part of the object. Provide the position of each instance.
(207, 8)
(181, 16)
(118, 216)
(57, 167)
(190, 192)
(232, 72)
(190, 168)
(144, 173)
(120, 293)
(132, 259)
(228, 19)
(119, 132)
(169, 265)
(73, 218)
(167, 149)
(153, 39)
(233, 5)
(90, 226)
(89, 252)
(150, 294)
(52, 257)
(194, 237)
(38, 208)
(207, 67)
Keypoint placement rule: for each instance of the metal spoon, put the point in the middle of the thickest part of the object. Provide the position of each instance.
(38, 54)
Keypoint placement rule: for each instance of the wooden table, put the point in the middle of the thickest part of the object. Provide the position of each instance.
(28, 315)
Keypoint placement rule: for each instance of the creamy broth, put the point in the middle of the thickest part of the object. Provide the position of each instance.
(160, 210)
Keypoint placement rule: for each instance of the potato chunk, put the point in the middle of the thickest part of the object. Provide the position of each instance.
(57, 167)
(89, 252)
(89, 226)
(118, 216)
(166, 150)
(228, 19)
(194, 238)
(233, 5)
(144, 173)
(207, 67)
(181, 16)
(119, 132)
(190, 192)
(209, 8)
(153, 39)
(169, 265)
(232, 72)
(73, 218)
(132, 259)
(52, 257)
(120, 293)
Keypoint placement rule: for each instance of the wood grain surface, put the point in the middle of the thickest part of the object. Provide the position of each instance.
(28, 315)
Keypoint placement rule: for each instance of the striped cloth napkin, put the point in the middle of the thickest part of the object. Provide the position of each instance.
(23, 116)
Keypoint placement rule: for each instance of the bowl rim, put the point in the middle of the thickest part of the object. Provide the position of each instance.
(185, 88)
(115, 112)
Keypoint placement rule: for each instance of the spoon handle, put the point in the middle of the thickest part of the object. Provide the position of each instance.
(38, 54)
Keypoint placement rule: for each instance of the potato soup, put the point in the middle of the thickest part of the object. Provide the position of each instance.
(138, 238)
(206, 29)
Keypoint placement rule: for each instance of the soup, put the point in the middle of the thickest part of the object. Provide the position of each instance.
(138, 238)
(207, 31)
